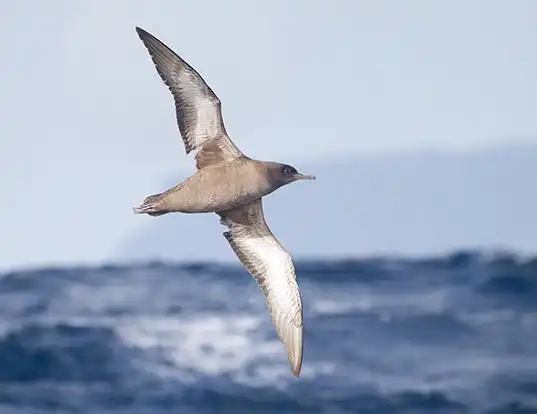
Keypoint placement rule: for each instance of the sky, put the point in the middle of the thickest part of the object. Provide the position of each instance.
(88, 129)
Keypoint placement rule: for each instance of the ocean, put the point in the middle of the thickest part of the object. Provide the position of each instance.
(451, 334)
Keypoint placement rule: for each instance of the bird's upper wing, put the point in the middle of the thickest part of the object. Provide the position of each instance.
(198, 109)
(272, 267)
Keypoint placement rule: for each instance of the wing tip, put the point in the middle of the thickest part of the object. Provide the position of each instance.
(296, 351)
(150, 41)
(141, 32)
(297, 368)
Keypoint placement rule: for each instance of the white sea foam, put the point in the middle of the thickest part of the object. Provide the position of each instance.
(341, 303)
(217, 344)
(209, 344)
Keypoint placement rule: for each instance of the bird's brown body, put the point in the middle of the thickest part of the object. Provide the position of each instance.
(214, 189)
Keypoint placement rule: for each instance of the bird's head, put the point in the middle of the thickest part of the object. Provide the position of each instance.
(282, 174)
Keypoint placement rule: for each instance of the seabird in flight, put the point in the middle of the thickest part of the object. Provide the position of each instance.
(232, 185)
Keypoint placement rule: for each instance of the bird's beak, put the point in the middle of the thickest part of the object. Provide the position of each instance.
(304, 177)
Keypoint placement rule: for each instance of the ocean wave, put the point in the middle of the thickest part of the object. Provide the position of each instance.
(510, 284)
(62, 353)
(344, 301)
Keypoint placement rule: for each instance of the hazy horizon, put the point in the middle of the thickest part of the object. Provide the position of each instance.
(444, 201)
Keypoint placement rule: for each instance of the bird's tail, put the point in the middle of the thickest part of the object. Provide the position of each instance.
(153, 205)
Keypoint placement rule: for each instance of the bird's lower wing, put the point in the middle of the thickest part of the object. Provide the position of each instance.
(272, 267)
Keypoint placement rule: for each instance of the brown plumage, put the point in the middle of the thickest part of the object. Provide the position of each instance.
(229, 183)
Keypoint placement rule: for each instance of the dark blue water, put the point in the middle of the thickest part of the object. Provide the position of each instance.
(455, 334)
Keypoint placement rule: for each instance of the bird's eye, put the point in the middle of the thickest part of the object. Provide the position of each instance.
(288, 170)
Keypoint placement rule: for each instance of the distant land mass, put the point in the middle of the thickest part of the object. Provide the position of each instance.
(411, 204)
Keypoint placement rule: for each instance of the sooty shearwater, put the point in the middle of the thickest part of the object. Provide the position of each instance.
(232, 185)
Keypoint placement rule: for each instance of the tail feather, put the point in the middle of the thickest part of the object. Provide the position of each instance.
(151, 205)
